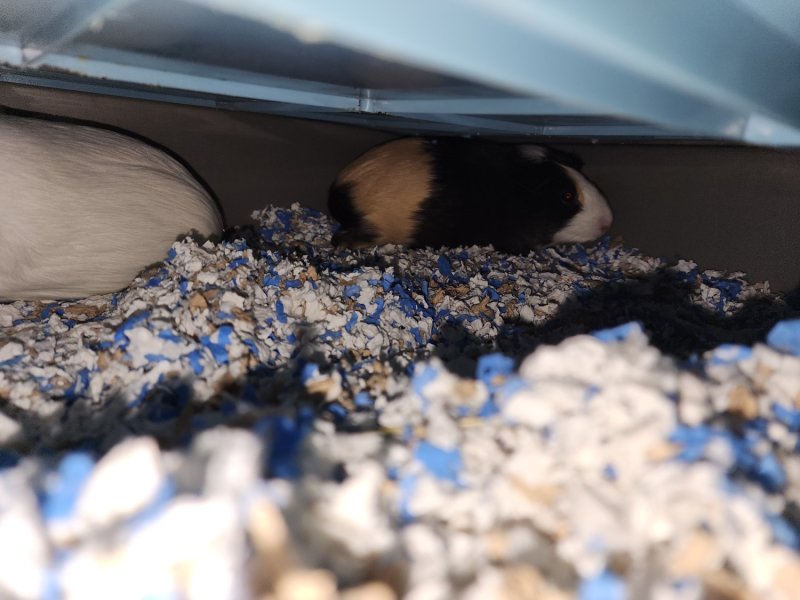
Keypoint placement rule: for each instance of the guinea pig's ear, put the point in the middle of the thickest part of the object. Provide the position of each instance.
(565, 158)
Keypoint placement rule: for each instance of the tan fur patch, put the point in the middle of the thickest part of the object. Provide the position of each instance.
(388, 185)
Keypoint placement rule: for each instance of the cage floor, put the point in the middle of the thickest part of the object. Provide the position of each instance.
(271, 418)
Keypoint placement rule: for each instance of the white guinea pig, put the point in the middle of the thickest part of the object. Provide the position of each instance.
(456, 192)
(84, 209)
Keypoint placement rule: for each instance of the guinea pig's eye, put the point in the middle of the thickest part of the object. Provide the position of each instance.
(567, 197)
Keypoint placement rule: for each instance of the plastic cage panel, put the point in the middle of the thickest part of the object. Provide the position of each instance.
(683, 69)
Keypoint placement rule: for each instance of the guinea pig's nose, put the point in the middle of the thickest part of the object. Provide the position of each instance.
(604, 225)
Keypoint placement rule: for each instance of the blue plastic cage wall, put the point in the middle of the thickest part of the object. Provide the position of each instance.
(683, 69)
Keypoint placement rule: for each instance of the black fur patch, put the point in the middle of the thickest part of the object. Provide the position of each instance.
(488, 193)
(354, 231)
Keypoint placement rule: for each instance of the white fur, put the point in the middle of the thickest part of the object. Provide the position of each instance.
(534, 153)
(83, 210)
(594, 218)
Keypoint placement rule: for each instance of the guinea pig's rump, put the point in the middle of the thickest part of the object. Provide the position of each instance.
(85, 209)
(377, 197)
(354, 230)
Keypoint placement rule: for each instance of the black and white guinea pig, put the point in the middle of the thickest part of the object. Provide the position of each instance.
(84, 209)
(457, 192)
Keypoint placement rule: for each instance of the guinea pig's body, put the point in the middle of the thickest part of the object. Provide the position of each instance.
(455, 192)
(84, 209)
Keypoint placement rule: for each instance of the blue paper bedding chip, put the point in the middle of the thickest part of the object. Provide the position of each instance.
(579, 254)
(219, 348)
(770, 473)
(79, 385)
(8, 459)
(619, 333)
(280, 312)
(730, 353)
(783, 532)
(154, 358)
(336, 410)
(610, 472)
(15, 360)
(363, 400)
(423, 378)
(442, 464)
(445, 267)
(119, 335)
(785, 336)
(195, 360)
(285, 217)
(271, 280)
(285, 436)
(170, 336)
(492, 366)
(352, 291)
(238, 262)
(488, 409)
(252, 346)
(788, 416)
(375, 317)
(351, 322)
(693, 441)
(408, 485)
(605, 586)
(729, 288)
(59, 499)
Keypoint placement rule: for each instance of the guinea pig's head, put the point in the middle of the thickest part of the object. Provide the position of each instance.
(574, 209)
